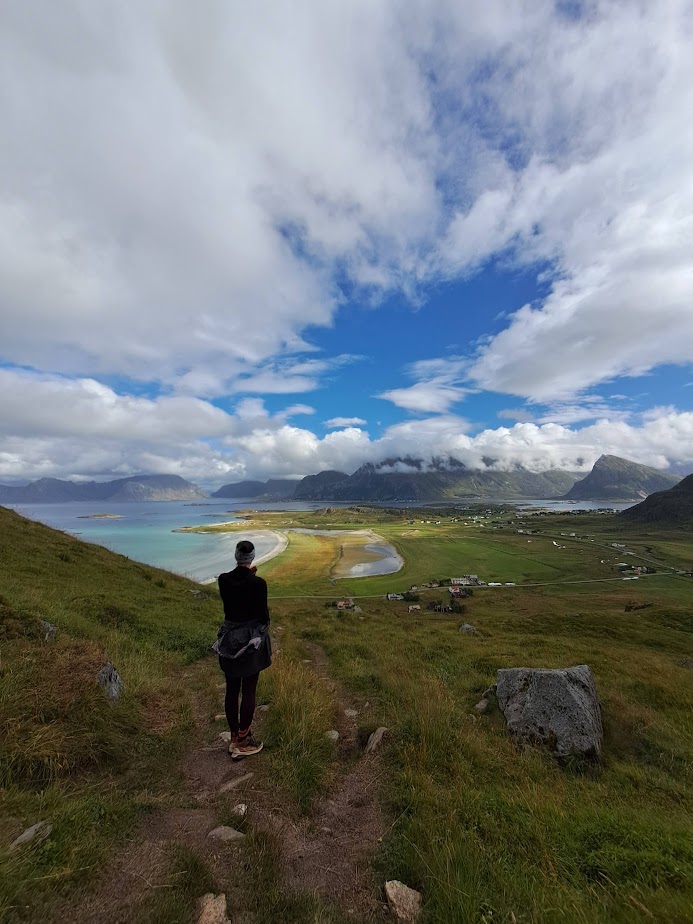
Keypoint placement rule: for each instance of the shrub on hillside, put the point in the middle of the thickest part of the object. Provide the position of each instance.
(14, 624)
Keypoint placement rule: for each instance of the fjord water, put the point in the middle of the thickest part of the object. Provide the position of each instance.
(146, 531)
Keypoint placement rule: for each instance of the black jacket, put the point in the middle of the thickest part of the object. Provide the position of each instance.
(244, 596)
(243, 642)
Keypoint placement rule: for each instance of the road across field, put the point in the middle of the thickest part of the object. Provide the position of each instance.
(477, 587)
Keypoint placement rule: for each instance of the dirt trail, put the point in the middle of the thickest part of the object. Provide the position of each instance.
(331, 850)
(328, 852)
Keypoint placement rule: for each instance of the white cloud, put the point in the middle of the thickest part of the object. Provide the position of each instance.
(340, 422)
(181, 183)
(188, 189)
(178, 207)
(520, 414)
(426, 397)
(438, 387)
(592, 110)
(122, 434)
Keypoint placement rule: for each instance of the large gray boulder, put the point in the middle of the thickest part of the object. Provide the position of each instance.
(557, 709)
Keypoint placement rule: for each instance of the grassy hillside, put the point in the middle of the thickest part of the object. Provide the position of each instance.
(66, 753)
(672, 509)
(486, 832)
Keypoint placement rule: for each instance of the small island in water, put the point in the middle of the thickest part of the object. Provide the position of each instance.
(100, 516)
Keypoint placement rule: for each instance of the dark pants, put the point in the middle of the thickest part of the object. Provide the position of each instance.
(245, 686)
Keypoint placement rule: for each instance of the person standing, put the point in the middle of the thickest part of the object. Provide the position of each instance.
(243, 645)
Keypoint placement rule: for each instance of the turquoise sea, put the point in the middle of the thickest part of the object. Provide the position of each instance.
(146, 531)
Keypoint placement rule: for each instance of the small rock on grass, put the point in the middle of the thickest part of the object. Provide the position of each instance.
(35, 833)
(468, 629)
(488, 701)
(111, 681)
(376, 739)
(225, 737)
(219, 716)
(332, 734)
(404, 903)
(235, 782)
(226, 834)
(240, 810)
(49, 631)
(351, 713)
(212, 909)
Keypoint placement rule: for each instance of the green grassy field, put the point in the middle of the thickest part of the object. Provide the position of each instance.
(488, 833)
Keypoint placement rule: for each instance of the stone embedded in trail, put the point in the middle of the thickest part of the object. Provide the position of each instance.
(351, 713)
(404, 903)
(219, 716)
(225, 736)
(212, 909)
(240, 810)
(111, 681)
(235, 782)
(332, 734)
(467, 629)
(35, 833)
(375, 740)
(226, 834)
(557, 709)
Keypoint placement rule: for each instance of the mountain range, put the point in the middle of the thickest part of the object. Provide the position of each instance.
(134, 488)
(378, 482)
(392, 480)
(274, 488)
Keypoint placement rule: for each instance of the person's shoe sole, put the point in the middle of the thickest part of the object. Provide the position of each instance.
(239, 754)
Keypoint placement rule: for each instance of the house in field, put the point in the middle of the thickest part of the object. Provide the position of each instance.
(345, 604)
(395, 597)
(414, 606)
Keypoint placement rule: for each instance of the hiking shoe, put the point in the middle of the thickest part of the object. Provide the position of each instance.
(233, 743)
(246, 746)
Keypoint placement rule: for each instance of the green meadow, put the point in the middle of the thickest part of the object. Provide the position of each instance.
(487, 832)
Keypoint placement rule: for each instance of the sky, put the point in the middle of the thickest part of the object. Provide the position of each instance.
(262, 240)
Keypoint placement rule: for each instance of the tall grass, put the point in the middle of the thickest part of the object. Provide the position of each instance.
(301, 711)
(490, 833)
(67, 754)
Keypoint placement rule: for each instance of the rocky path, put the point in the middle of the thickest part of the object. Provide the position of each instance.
(327, 853)
(330, 851)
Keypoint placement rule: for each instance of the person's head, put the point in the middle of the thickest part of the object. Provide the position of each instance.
(245, 553)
